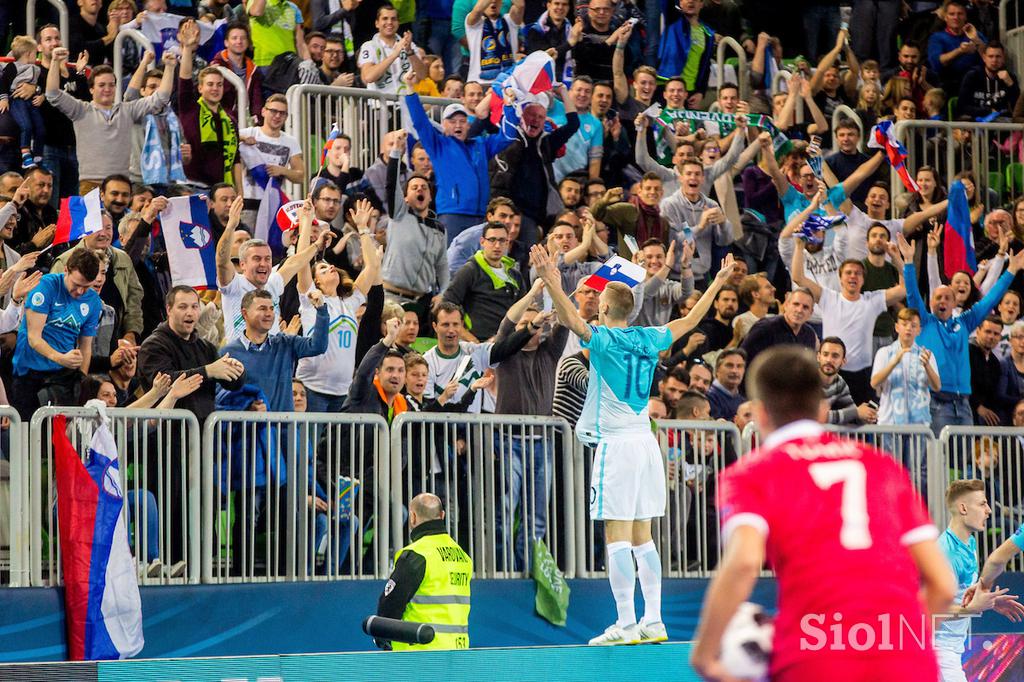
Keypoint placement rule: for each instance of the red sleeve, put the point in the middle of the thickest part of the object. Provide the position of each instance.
(742, 500)
(915, 524)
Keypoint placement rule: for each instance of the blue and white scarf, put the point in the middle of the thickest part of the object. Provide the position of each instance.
(159, 165)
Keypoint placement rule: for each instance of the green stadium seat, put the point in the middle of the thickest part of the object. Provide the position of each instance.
(1014, 178)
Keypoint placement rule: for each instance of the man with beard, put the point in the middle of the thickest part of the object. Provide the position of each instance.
(36, 216)
(115, 194)
(672, 387)
(842, 409)
(717, 330)
(850, 314)
(700, 376)
(334, 69)
(725, 395)
(879, 275)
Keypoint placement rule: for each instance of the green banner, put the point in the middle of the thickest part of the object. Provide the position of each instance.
(552, 602)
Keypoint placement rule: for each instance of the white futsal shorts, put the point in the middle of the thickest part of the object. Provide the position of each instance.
(951, 665)
(627, 482)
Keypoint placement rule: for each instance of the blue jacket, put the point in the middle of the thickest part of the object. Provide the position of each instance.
(675, 46)
(948, 340)
(942, 42)
(271, 365)
(465, 186)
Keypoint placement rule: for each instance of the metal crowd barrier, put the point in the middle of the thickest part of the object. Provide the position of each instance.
(62, 18)
(996, 456)
(294, 496)
(364, 115)
(13, 501)
(1014, 41)
(1009, 17)
(505, 480)
(844, 112)
(158, 459)
(989, 150)
(742, 73)
(687, 536)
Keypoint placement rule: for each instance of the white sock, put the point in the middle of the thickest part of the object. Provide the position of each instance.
(622, 576)
(648, 567)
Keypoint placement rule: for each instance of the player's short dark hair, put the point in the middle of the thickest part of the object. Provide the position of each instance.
(786, 381)
(84, 262)
(729, 352)
(169, 299)
(251, 296)
(445, 307)
(835, 341)
(958, 489)
(688, 402)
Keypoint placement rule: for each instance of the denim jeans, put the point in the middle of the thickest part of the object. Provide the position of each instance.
(63, 163)
(457, 223)
(950, 409)
(147, 515)
(30, 120)
(654, 10)
(821, 25)
(523, 466)
(436, 36)
(323, 402)
(337, 550)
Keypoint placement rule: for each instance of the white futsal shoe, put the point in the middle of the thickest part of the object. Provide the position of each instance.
(615, 635)
(652, 633)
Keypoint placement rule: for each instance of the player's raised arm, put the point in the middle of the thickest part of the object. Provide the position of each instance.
(731, 586)
(684, 325)
(997, 560)
(567, 313)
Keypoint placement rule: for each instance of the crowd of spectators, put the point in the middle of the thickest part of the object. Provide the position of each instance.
(407, 284)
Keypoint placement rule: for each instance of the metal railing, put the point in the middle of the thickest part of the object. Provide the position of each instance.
(14, 498)
(844, 112)
(62, 19)
(742, 72)
(502, 478)
(136, 37)
(158, 454)
(996, 456)
(1014, 41)
(364, 115)
(988, 150)
(1008, 17)
(294, 496)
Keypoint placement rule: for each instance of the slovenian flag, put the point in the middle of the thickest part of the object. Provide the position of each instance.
(272, 199)
(883, 136)
(616, 269)
(191, 252)
(78, 217)
(161, 29)
(103, 609)
(328, 144)
(957, 238)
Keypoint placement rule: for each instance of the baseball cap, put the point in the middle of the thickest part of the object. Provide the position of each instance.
(453, 109)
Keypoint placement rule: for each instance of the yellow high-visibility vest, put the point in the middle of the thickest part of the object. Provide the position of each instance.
(442, 599)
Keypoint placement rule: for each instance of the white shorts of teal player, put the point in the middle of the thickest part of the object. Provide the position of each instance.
(628, 479)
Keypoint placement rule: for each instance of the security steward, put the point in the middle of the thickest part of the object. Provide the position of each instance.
(430, 583)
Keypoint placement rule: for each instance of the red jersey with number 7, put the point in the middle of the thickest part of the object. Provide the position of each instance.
(838, 517)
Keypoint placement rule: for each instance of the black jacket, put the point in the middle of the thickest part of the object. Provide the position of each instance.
(165, 351)
(485, 306)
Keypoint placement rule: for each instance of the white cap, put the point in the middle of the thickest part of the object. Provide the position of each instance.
(453, 109)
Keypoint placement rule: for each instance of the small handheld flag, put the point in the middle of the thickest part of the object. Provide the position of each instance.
(883, 136)
(957, 238)
(328, 144)
(78, 217)
(616, 269)
(818, 223)
(191, 252)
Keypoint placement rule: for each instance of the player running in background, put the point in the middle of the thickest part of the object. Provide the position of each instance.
(968, 512)
(846, 533)
(627, 487)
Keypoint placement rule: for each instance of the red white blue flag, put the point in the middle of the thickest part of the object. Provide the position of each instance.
(958, 239)
(78, 217)
(883, 136)
(328, 144)
(616, 269)
(532, 76)
(103, 609)
(191, 252)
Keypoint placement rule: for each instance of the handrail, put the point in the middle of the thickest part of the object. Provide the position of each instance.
(843, 111)
(784, 75)
(1004, 24)
(1013, 39)
(62, 19)
(241, 95)
(123, 35)
(741, 70)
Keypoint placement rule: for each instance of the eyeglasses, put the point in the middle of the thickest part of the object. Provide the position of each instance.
(599, 9)
(329, 202)
(333, 50)
(496, 240)
(276, 112)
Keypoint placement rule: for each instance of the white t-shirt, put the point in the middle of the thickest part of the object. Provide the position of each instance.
(745, 321)
(852, 241)
(273, 150)
(374, 51)
(231, 303)
(442, 371)
(853, 322)
(475, 35)
(331, 373)
(822, 267)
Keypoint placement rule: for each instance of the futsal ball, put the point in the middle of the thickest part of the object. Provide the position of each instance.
(747, 643)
